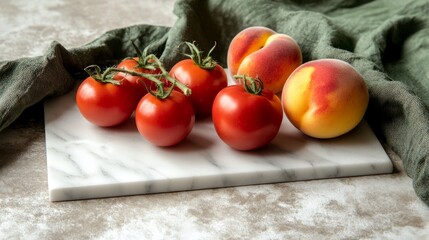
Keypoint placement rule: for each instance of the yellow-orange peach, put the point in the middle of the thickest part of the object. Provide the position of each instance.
(259, 52)
(325, 98)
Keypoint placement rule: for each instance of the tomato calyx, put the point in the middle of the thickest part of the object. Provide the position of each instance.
(196, 55)
(160, 92)
(251, 85)
(145, 60)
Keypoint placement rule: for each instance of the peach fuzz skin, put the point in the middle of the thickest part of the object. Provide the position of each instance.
(325, 98)
(259, 52)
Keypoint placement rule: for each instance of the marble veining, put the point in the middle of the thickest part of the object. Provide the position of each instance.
(86, 161)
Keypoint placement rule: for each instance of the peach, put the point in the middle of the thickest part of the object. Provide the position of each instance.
(325, 98)
(259, 52)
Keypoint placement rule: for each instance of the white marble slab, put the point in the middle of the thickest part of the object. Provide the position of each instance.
(85, 161)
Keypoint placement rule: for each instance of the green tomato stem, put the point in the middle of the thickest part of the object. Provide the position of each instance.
(251, 85)
(95, 72)
(207, 62)
(152, 62)
(146, 61)
(155, 78)
(187, 91)
(151, 77)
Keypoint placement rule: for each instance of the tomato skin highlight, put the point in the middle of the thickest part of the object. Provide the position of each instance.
(165, 122)
(106, 104)
(204, 83)
(246, 121)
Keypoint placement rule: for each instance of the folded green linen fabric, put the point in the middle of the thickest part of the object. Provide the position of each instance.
(386, 41)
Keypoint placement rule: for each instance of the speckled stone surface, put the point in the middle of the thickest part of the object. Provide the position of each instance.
(369, 207)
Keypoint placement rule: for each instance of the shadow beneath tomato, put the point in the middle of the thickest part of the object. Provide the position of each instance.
(286, 142)
(127, 126)
(289, 141)
(202, 137)
(194, 142)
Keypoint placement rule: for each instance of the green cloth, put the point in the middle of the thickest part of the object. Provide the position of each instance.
(386, 41)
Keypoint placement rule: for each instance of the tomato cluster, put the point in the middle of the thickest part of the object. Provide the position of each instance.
(167, 104)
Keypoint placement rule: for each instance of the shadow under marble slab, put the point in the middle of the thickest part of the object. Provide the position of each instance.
(85, 161)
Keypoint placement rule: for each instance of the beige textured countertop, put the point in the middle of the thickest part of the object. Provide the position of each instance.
(369, 207)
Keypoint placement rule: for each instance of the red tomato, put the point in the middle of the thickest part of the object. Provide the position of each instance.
(137, 81)
(106, 104)
(204, 83)
(246, 121)
(165, 122)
